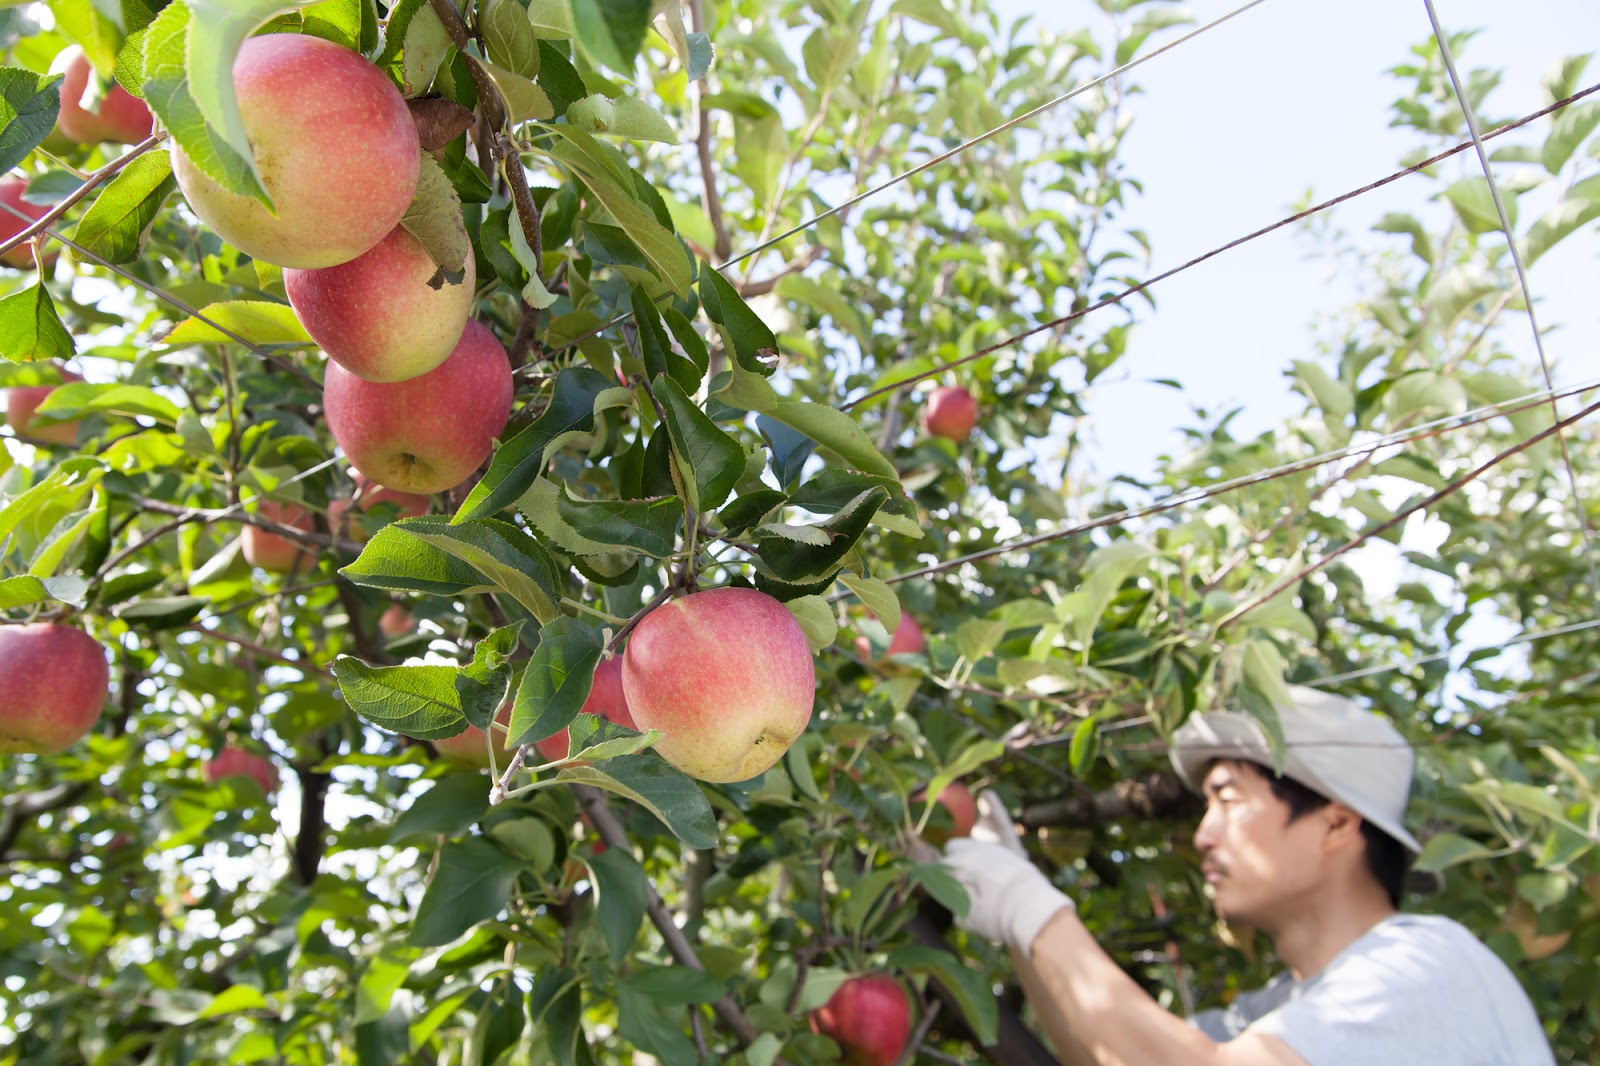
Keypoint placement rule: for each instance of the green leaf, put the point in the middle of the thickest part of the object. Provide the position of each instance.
(525, 100)
(620, 905)
(798, 563)
(25, 590)
(472, 884)
(509, 38)
(675, 986)
(448, 808)
(556, 682)
(970, 987)
(415, 42)
(1569, 128)
(655, 343)
(942, 887)
(257, 321)
(551, 18)
(709, 461)
(971, 758)
(828, 426)
(648, 526)
(879, 598)
(625, 116)
(669, 795)
(81, 398)
(754, 345)
(816, 618)
(30, 328)
(29, 103)
(1085, 747)
(557, 77)
(394, 559)
(115, 227)
(518, 462)
(511, 559)
(434, 218)
(482, 684)
(1474, 203)
(611, 32)
(416, 701)
(1444, 850)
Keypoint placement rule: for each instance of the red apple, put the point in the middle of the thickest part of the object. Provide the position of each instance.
(274, 551)
(957, 799)
(950, 413)
(11, 190)
(117, 115)
(367, 496)
(376, 315)
(606, 699)
(907, 640)
(233, 761)
(23, 400)
(727, 676)
(430, 433)
(869, 1017)
(336, 148)
(53, 683)
(467, 748)
(396, 622)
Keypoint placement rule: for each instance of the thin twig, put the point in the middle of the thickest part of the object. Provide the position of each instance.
(90, 182)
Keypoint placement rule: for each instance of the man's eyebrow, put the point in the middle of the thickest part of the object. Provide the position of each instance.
(1218, 782)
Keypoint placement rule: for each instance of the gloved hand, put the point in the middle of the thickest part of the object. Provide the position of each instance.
(1011, 900)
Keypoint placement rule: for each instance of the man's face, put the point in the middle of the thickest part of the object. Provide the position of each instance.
(1259, 865)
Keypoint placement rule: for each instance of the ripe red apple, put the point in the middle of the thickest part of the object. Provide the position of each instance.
(274, 551)
(606, 699)
(430, 433)
(907, 640)
(467, 748)
(869, 1017)
(396, 622)
(376, 315)
(950, 413)
(727, 675)
(117, 115)
(234, 761)
(336, 147)
(11, 190)
(53, 683)
(957, 799)
(368, 495)
(23, 400)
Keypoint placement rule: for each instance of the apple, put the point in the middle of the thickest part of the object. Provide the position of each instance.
(430, 433)
(955, 798)
(869, 1017)
(727, 676)
(907, 640)
(376, 315)
(606, 699)
(334, 143)
(234, 761)
(53, 684)
(367, 496)
(396, 622)
(117, 115)
(950, 413)
(467, 748)
(274, 551)
(11, 190)
(23, 400)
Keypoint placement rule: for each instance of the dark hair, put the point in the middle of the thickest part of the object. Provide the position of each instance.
(1387, 859)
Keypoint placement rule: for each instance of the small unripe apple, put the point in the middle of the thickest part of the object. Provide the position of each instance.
(234, 761)
(53, 684)
(956, 798)
(376, 315)
(606, 699)
(907, 640)
(951, 413)
(430, 433)
(117, 116)
(336, 148)
(367, 496)
(396, 622)
(274, 551)
(11, 190)
(23, 400)
(870, 1019)
(727, 676)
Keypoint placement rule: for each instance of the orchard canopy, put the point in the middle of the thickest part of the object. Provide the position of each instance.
(375, 368)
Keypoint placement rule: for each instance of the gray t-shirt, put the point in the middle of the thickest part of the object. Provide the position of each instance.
(1414, 988)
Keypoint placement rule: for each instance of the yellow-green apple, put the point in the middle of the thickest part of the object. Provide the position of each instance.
(396, 622)
(274, 551)
(726, 675)
(368, 495)
(11, 190)
(870, 1019)
(950, 413)
(23, 400)
(335, 145)
(467, 748)
(606, 699)
(907, 640)
(377, 316)
(430, 433)
(114, 114)
(53, 684)
(234, 761)
(955, 798)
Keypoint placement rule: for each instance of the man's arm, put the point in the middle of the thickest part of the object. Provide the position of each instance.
(1066, 1046)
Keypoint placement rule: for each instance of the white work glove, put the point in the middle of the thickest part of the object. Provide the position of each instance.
(1011, 900)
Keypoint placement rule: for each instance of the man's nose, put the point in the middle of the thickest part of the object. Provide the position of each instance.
(1205, 834)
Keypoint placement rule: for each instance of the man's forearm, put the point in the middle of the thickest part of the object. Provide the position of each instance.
(1051, 1020)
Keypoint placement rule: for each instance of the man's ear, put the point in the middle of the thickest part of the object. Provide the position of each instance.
(1341, 824)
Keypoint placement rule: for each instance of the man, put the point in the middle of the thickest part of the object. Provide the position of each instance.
(1314, 859)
